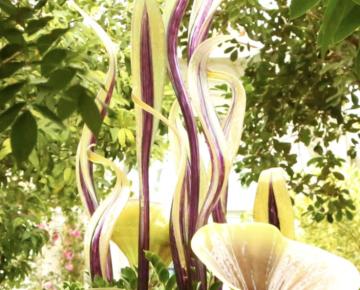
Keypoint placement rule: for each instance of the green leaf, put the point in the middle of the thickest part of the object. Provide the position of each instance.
(12, 35)
(40, 4)
(45, 41)
(23, 136)
(299, 7)
(171, 283)
(36, 24)
(215, 286)
(357, 2)
(357, 65)
(66, 107)
(7, 7)
(7, 93)
(9, 50)
(338, 175)
(52, 59)
(334, 14)
(234, 55)
(229, 49)
(163, 275)
(69, 103)
(318, 217)
(22, 14)
(348, 25)
(47, 113)
(128, 274)
(329, 218)
(349, 215)
(6, 70)
(60, 78)
(8, 117)
(5, 150)
(305, 136)
(90, 113)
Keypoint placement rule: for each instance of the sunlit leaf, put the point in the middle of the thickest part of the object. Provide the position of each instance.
(5, 149)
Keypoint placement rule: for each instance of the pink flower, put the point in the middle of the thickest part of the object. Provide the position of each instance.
(75, 233)
(69, 267)
(41, 226)
(55, 236)
(49, 286)
(69, 255)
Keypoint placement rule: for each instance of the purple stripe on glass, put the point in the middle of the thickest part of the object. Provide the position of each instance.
(272, 207)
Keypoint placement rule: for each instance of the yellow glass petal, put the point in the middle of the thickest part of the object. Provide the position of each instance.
(257, 256)
(125, 233)
(274, 179)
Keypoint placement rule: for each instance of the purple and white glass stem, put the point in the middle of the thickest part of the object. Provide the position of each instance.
(147, 95)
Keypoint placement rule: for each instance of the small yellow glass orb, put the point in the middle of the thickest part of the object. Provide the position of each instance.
(126, 232)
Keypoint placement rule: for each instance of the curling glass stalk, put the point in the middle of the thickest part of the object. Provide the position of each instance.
(176, 14)
(84, 169)
(148, 64)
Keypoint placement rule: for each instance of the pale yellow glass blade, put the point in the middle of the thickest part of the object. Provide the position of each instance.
(243, 256)
(257, 256)
(275, 178)
(307, 267)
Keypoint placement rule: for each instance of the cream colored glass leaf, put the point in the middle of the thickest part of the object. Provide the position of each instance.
(257, 256)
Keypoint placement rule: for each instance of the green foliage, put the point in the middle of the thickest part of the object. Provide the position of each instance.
(21, 239)
(341, 19)
(47, 179)
(299, 7)
(338, 237)
(72, 286)
(33, 41)
(161, 277)
(295, 96)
